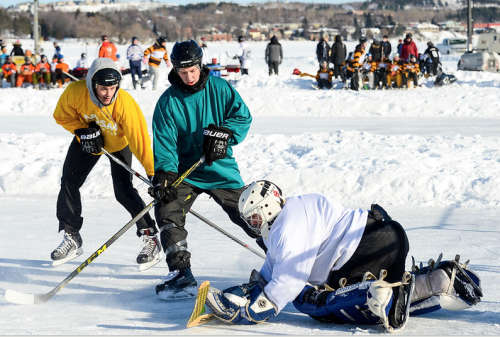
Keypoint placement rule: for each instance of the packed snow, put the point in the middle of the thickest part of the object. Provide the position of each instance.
(430, 156)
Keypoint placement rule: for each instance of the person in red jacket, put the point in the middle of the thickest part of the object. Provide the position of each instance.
(108, 49)
(409, 48)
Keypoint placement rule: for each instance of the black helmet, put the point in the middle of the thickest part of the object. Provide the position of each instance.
(106, 77)
(240, 38)
(43, 57)
(26, 59)
(161, 39)
(83, 55)
(412, 57)
(363, 40)
(186, 54)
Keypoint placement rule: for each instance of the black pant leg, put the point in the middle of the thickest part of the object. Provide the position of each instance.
(275, 67)
(171, 219)
(125, 193)
(76, 168)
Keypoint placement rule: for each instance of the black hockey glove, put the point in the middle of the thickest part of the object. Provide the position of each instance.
(91, 138)
(162, 187)
(215, 143)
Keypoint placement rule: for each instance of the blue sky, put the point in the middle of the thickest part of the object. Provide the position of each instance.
(7, 3)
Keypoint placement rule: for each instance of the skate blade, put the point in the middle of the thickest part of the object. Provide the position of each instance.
(188, 292)
(147, 265)
(73, 255)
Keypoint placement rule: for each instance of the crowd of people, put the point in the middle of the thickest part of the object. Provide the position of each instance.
(58, 72)
(376, 67)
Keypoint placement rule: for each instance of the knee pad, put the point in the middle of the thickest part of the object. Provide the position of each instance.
(445, 285)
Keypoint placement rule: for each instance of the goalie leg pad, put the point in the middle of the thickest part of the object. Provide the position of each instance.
(448, 285)
(345, 305)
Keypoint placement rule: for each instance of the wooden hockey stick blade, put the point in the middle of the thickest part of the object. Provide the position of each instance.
(198, 316)
(202, 319)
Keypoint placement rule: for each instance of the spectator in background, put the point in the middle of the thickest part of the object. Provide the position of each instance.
(17, 50)
(409, 48)
(82, 62)
(134, 56)
(53, 64)
(119, 64)
(26, 72)
(108, 49)
(156, 53)
(410, 72)
(376, 50)
(339, 54)
(42, 72)
(274, 55)
(386, 47)
(206, 57)
(323, 50)
(433, 52)
(3, 56)
(245, 55)
(400, 45)
(9, 70)
(57, 51)
(62, 69)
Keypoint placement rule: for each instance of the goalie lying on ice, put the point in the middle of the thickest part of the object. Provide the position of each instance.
(324, 258)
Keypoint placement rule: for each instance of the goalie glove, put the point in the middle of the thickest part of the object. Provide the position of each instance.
(91, 138)
(245, 304)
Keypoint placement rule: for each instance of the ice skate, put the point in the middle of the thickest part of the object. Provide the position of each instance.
(70, 248)
(179, 284)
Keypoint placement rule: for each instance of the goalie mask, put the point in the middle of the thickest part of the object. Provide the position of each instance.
(259, 205)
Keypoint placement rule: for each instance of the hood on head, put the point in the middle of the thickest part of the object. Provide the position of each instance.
(99, 64)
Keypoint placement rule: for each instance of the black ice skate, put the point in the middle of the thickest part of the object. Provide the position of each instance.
(150, 251)
(179, 284)
(70, 248)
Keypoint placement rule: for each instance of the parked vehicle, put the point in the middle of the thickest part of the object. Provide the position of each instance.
(452, 45)
(480, 61)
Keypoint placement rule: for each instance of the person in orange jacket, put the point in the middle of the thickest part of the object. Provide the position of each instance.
(410, 71)
(102, 115)
(9, 70)
(108, 49)
(42, 72)
(26, 72)
(62, 68)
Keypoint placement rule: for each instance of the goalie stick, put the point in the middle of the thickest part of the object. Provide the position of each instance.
(17, 297)
(199, 316)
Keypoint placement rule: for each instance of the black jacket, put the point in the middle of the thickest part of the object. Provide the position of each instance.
(376, 51)
(387, 48)
(323, 50)
(339, 51)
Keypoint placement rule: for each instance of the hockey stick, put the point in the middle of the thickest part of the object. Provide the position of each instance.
(214, 226)
(17, 297)
(208, 222)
